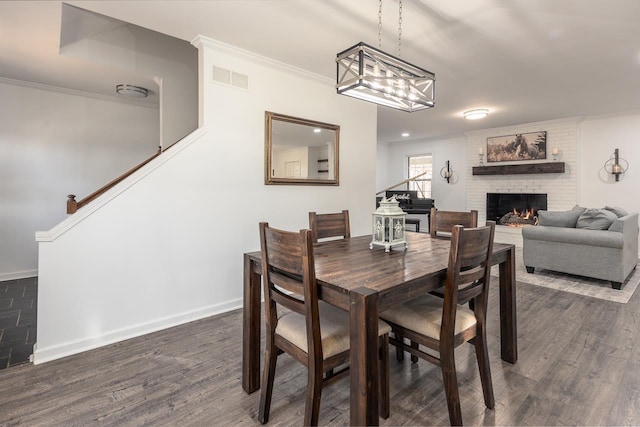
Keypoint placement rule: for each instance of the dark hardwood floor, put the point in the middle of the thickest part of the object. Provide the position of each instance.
(579, 364)
(18, 313)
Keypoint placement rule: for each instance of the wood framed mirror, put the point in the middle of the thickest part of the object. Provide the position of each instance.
(300, 151)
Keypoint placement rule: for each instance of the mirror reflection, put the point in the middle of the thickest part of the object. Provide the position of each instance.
(300, 151)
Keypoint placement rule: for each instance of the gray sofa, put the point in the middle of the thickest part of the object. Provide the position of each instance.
(598, 243)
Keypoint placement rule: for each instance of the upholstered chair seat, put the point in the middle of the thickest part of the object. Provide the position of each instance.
(334, 329)
(424, 316)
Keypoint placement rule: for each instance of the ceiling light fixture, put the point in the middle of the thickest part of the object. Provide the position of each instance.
(406, 134)
(370, 74)
(132, 91)
(479, 113)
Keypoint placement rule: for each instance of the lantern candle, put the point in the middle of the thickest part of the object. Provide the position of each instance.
(388, 225)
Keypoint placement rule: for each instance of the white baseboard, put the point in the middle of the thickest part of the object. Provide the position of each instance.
(18, 275)
(47, 354)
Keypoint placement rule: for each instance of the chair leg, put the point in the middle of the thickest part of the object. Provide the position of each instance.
(384, 376)
(482, 354)
(414, 358)
(448, 365)
(399, 350)
(314, 394)
(270, 358)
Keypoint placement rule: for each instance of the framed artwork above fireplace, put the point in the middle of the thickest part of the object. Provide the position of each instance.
(520, 146)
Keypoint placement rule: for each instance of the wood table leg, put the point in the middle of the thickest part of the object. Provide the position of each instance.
(508, 321)
(363, 324)
(251, 327)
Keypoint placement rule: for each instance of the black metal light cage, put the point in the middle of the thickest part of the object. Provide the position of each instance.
(370, 74)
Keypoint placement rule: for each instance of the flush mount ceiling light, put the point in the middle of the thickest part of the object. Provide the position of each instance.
(370, 74)
(480, 113)
(132, 91)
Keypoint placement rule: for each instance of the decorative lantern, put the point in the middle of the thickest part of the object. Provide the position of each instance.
(388, 225)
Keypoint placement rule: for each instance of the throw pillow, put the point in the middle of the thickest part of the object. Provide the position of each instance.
(596, 219)
(616, 210)
(560, 219)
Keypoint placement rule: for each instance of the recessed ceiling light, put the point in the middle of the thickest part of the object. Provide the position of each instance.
(317, 130)
(132, 91)
(405, 134)
(480, 113)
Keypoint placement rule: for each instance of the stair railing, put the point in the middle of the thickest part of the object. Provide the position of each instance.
(73, 205)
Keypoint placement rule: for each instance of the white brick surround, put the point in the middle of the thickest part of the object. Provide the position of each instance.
(561, 189)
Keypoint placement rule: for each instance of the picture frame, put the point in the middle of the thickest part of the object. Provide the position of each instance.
(517, 147)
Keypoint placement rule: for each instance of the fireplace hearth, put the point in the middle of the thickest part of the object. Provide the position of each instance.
(515, 209)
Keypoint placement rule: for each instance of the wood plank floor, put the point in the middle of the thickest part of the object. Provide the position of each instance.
(579, 365)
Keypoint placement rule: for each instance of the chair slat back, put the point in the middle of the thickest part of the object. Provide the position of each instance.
(468, 272)
(443, 221)
(288, 275)
(329, 225)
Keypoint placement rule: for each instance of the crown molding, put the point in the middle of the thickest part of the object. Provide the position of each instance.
(201, 42)
(569, 120)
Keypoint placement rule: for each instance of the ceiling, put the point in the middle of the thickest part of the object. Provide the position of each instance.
(524, 60)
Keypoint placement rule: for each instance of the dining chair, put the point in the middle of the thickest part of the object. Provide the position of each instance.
(442, 221)
(313, 332)
(329, 225)
(443, 324)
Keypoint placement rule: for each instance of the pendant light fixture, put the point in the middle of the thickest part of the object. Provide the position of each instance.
(370, 74)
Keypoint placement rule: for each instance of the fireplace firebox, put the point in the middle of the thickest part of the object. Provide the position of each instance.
(515, 209)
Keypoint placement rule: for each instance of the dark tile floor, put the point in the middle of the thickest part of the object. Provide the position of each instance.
(18, 312)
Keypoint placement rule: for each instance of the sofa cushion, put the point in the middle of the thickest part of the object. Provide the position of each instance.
(560, 218)
(575, 236)
(616, 210)
(596, 219)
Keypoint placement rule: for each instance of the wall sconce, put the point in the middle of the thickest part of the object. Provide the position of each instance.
(446, 172)
(554, 153)
(615, 165)
(481, 156)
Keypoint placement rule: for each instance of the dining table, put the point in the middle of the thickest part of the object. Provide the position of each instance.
(365, 282)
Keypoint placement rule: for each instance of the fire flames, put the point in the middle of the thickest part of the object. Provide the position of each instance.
(524, 214)
(518, 218)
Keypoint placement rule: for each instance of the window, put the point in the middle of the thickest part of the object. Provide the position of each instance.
(417, 165)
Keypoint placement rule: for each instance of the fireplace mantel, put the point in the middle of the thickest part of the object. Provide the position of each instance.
(529, 168)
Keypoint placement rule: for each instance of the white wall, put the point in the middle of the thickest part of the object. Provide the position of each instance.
(54, 143)
(173, 62)
(166, 245)
(599, 137)
(393, 167)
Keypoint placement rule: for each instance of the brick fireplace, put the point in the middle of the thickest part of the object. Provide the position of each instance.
(561, 189)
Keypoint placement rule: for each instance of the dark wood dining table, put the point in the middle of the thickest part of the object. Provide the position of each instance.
(366, 282)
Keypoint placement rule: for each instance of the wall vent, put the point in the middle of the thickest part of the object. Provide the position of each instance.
(229, 78)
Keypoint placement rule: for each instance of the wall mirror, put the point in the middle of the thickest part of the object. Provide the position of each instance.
(300, 151)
